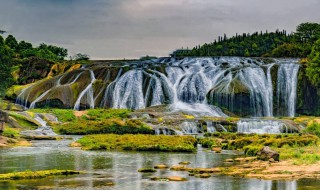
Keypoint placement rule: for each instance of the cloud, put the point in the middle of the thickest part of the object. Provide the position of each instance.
(132, 28)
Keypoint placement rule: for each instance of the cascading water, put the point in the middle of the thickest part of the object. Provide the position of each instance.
(210, 127)
(198, 86)
(87, 91)
(43, 129)
(189, 127)
(286, 89)
(261, 126)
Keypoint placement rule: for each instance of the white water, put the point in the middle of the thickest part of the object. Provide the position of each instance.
(210, 127)
(188, 85)
(287, 87)
(261, 126)
(87, 91)
(189, 127)
(43, 129)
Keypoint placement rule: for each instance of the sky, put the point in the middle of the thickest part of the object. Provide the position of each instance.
(117, 29)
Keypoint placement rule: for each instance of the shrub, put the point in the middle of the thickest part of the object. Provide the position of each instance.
(139, 142)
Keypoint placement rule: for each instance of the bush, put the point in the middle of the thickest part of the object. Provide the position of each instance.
(115, 126)
(314, 128)
(139, 143)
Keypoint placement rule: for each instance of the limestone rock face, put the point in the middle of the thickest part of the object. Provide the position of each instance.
(267, 154)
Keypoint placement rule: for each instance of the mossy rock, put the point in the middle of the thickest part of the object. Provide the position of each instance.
(147, 170)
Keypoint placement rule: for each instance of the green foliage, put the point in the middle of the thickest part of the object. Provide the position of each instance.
(208, 142)
(139, 143)
(102, 114)
(313, 66)
(308, 32)
(115, 126)
(278, 44)
(250, 143)
(6, 55)
(10, 133)
(288, 50)
(36, 174)
(81, 57)
(63, 115)
(314, 128)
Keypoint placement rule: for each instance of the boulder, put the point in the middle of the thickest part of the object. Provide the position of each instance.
(266, 154)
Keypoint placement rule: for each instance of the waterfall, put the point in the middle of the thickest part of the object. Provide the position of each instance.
(43, 129)
(189, 127)
(196, 86)
(210, 127)
(287, 88)
(261, 126)
(87, 91)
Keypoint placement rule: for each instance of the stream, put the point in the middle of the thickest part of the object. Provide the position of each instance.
(120, 168)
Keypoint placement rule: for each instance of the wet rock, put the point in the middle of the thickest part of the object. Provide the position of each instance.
(147, 170)
(176, 178)
(216, 149)
(161, 166)
(170, 178)
(180, 168)
(184, 163)
(204, 175)
(75, 144)
(266, 154)
(228, 160)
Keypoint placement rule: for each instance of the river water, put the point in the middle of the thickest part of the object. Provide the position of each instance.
(121, 168)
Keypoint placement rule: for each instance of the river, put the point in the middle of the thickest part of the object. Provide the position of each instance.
(120, 168)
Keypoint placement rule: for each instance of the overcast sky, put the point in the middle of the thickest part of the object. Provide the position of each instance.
(132, 28)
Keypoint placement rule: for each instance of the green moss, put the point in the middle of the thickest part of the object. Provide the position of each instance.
(313, 128)
(139, 143)
(116, 126)
(24, 121)
(36, 174)
(10, 133)
(101, 114)
(63, 115)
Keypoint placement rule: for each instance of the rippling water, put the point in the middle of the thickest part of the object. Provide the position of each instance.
(121, 168)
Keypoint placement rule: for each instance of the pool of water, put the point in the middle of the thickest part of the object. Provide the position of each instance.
(120, 168)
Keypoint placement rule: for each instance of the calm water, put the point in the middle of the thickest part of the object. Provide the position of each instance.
(121, 169)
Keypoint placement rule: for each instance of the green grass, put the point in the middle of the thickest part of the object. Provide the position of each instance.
(63, 115)
(23, 121)
(252, 143)
(138, 143)
(102, 114)
(11, 132)
(115, 126)
(313, 128)
(36, 174)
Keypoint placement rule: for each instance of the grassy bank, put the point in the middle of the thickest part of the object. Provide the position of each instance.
(139, 143)
(300, 148)
(96, 121)
(36, 174)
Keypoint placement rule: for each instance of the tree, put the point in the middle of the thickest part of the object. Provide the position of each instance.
(81, 57)
(5, 66)
(313, 66)
(22, 46)
(11, 42)
(308, 31)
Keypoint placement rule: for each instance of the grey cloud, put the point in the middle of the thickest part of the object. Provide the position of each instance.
(132, 28)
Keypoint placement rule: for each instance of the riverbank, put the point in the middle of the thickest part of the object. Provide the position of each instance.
(283, 170)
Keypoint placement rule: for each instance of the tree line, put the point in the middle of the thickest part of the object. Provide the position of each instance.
(14, 53)
(259, 44)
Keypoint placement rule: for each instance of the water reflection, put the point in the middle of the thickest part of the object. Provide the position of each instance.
(121, 168)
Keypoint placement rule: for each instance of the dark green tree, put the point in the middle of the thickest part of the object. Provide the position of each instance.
(5, 66)
(11, 42)
(313, 66)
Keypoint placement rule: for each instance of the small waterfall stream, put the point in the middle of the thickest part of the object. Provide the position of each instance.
(42, 130)
(261, 126)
